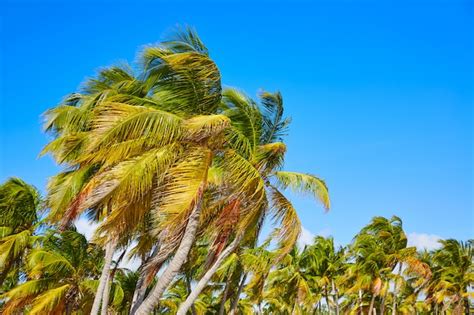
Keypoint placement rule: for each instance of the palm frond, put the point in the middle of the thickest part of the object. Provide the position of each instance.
(304, 183)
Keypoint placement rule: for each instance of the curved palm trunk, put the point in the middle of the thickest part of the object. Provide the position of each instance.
(184, 307)
(109, 251)
(178, 260)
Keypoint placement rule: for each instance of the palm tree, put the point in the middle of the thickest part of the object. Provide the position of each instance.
(289, 286)
(453, 275)
(60, 276)
(262, 128)
(327, 264)
(143, 144)
(20, 208)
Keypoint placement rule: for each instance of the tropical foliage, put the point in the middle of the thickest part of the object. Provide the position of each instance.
(181, 174)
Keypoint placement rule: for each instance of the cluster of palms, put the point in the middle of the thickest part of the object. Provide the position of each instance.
(49, 271)
(181, 174)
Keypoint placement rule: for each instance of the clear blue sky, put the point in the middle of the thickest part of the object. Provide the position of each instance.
(381, 95)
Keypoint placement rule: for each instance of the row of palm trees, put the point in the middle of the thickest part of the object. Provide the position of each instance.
(182, 173)
(50, 271)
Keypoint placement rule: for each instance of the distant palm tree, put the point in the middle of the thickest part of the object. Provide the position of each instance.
(327, 264)
(453, 275)
(60, 276)
(20, 211)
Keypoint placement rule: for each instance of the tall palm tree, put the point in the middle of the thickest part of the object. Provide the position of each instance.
(262, 129)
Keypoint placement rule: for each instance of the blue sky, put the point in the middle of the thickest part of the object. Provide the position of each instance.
(381, 94)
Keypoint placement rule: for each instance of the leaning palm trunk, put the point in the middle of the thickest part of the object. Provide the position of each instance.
(178, 260)
(105, 295)
(140, 288)
(184, 307)
(109, 251)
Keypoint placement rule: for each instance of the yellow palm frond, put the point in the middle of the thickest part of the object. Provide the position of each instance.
(48, 262)
(13, 245)
(290, 225)
(118, 122)
(50, 302)
(183, 183)
(304, 183)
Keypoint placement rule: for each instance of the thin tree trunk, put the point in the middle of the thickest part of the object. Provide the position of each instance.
(110, 280)
(178, 260)
(184, 307)
(360, 302)
(109, 251)
(336, 296)
(382, 305)
(395, 289)
(235, 303)
(326, 296)
(224, 297)
(371, 306)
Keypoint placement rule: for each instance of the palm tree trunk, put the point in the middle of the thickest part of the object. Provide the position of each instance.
(140, 288)
(224, 297)
(109, 251)
(235, 303)
(110, 280)
(360, 302)
(382, 305)
(336, 296)
(184, 307)
(178, 260)
(326, 296)
(395, 289)
(371, 306)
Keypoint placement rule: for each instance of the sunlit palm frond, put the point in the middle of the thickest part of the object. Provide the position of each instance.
(290, 225)
(118, 122)
(48, 262)
(50, 302)
(184, 182)
(304, 183)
